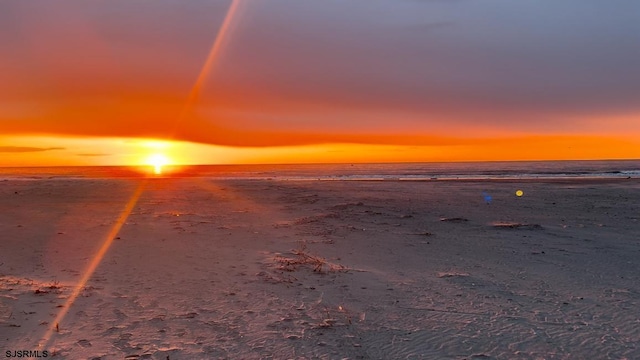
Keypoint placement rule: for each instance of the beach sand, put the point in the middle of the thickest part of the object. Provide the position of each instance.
(265, 269)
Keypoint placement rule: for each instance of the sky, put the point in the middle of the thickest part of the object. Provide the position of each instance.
(254, 81)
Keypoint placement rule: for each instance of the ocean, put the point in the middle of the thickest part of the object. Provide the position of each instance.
(353, 172)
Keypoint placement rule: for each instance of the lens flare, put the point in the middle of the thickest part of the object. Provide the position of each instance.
(217, 48)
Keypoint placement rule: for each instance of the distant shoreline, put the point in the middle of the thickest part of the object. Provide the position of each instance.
(480, 171)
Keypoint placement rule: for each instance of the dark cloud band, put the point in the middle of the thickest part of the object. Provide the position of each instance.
(26, 149)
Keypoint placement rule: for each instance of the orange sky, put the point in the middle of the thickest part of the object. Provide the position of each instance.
(280, 81)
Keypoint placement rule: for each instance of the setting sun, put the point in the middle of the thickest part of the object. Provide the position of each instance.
(158, 161)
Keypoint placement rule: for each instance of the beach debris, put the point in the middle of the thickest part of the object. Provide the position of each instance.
(449, 274)
(515, 225)
(305, 258)
(453, 219)
(327, 323)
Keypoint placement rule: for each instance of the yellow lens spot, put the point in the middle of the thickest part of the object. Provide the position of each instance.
(519, 193)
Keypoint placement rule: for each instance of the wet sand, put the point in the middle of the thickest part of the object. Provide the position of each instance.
(251, 269)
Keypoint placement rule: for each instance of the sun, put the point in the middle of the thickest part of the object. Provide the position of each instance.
(158, 161)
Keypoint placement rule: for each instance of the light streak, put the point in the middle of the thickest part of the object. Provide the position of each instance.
(97, 259)
(214, 53)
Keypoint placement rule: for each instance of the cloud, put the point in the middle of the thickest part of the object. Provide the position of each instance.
(93, 154)
(25, 149)
(293, 72)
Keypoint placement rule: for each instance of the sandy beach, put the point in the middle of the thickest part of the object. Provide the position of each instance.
(261, 269)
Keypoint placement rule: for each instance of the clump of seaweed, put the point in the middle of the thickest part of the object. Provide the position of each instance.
(304, 258)
(55, 287)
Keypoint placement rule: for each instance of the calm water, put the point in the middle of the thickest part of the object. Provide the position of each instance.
(402, 171)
